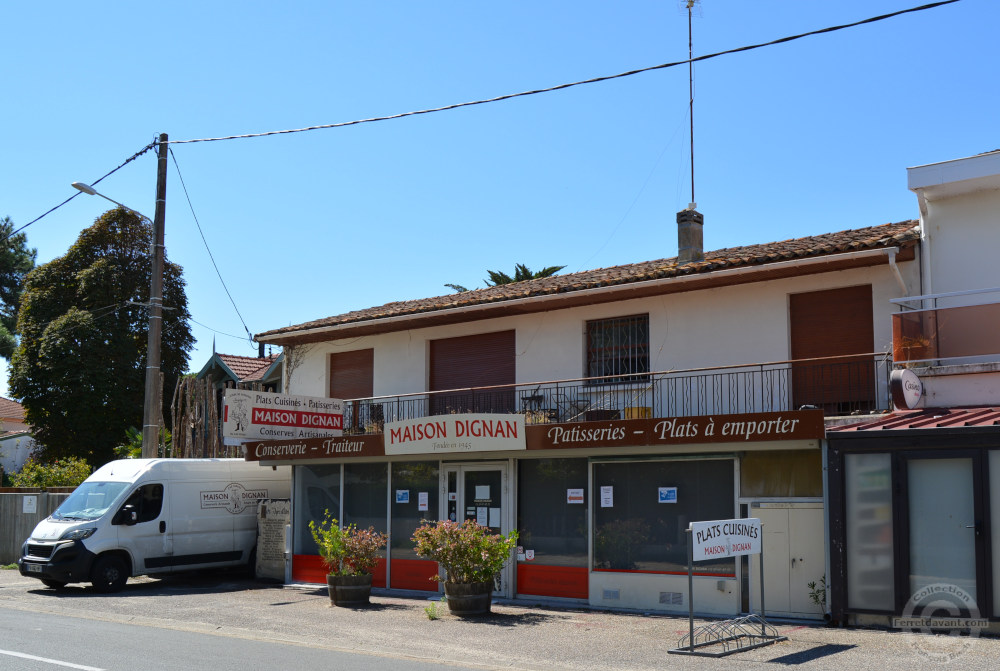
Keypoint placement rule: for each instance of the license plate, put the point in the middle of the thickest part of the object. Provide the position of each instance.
(34, 568)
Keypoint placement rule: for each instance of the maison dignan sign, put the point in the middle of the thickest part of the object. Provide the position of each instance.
(444, 434)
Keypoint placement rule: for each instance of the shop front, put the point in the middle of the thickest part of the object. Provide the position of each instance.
(915, 512)
(601, 508)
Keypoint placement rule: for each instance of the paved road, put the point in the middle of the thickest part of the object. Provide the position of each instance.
(393, 629)
(37, 641)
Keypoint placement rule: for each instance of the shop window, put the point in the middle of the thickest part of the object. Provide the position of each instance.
(642, 510)
(552, 510)
(870, 565)
(618, 348)
(317, 490)
(365, 488)
(782, 473)
(414, 499)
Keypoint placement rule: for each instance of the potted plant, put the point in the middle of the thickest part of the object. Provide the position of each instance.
(350, 555)
(472, 558)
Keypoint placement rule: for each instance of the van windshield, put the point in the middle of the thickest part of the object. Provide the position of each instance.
(89, 501)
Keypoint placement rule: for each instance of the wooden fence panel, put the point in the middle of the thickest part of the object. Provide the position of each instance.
(15, 524)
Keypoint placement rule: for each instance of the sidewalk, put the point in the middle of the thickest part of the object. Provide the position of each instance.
(517, 635)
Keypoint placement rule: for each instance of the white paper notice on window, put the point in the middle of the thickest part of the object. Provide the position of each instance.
(482, 492)
(494, 517)
(421, 500)
(574, 496)
(482, 516)
(607, 496)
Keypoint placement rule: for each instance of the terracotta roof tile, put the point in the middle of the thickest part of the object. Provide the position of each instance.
(872, 237)
(247, 367)
(11, 409)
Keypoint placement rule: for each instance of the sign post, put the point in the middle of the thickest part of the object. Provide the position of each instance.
(716, 540)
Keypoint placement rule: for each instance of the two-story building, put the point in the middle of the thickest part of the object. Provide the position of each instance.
(600, 412)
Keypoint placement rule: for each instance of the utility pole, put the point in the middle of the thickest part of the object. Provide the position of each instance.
(152, 404)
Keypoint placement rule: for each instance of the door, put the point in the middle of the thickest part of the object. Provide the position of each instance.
(944, 528)
(142, 529)
(479, 492)
(793, 555)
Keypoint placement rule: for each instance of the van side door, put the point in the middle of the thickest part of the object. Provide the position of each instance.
(142, 529)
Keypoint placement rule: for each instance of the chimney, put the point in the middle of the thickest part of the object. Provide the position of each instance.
(689, 235)
(260, 345)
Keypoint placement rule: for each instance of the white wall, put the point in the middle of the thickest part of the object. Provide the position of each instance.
(14, 452)
(714, 327)
(962, 239)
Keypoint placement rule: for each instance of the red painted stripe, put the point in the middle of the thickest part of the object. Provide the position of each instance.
(414, 574)
(569, 582)
(310, 569)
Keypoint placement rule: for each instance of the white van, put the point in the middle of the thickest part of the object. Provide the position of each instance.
(152, 516)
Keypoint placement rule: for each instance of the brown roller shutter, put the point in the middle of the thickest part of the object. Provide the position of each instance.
(830, 323)
(352, 376)
(484, 360)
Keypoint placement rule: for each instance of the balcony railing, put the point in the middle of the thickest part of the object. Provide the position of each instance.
(838, 385)
(934, 329)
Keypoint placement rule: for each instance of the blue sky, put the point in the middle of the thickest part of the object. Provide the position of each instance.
(797, 139)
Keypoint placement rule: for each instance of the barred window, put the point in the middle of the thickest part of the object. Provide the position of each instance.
(618, 348)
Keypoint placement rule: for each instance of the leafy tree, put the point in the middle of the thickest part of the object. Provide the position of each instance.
(80, 366)
(68, 472)
(16, 260)
(132, 447)
(521, 273)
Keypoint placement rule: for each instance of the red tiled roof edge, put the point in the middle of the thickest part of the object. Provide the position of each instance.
(873, 237)
(244, 367)
(926, 418)
(9, 408)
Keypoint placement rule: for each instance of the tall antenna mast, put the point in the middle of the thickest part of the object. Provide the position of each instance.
(690, 5)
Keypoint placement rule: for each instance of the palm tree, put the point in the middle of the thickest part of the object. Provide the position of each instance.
(521, 273)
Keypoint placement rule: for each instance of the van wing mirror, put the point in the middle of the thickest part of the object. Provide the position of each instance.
(127, 515)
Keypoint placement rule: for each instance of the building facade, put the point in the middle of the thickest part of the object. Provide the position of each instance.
(638, 399)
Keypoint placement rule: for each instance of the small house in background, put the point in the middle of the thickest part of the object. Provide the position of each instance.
(16, 442)
(196, 428)
(233, 370)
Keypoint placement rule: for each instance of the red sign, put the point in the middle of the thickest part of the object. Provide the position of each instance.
(296, 418)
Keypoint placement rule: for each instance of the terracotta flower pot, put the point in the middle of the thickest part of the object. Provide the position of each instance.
(467, 599)
(349, 590)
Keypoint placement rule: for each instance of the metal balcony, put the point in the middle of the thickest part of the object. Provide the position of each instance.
(855, 384)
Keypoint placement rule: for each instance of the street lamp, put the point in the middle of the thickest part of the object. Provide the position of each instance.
(151, 403)
(91, 191)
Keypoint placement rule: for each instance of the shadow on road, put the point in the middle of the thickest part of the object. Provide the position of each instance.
(811, 654)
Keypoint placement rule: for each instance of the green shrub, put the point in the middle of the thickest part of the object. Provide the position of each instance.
(68, 472)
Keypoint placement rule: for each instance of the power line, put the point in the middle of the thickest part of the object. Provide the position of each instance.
(508, 96)
(97, 181)
(579, 83)
(238, 337)
(210, 255)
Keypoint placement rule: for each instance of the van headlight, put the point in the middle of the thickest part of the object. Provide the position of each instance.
(78, 534)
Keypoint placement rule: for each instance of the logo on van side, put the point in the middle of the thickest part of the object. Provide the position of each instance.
(235, 498)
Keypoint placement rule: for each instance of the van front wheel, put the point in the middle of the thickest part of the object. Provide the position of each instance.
(109, 574)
